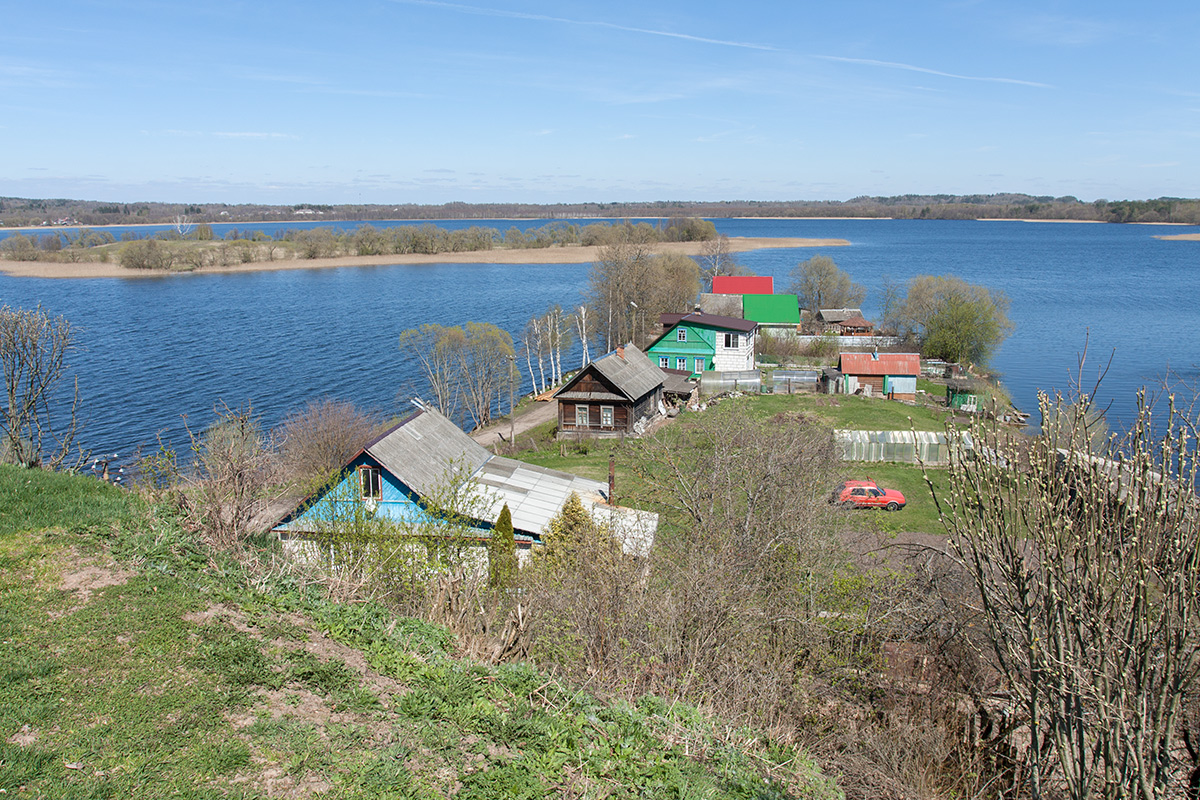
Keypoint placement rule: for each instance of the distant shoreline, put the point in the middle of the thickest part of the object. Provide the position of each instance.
(545, 255)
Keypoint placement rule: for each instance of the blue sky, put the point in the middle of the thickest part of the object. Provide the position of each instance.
(382, 101)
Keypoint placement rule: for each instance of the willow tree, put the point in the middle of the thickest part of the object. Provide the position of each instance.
(954, 320)
(819, 283)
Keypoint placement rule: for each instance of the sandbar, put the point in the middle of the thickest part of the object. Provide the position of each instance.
(1180, 237)
(547, 255)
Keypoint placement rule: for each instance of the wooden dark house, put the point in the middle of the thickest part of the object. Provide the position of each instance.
(608, 396)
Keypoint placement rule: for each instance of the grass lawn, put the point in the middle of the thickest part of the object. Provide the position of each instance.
(591, 461)
(919, 515)
(135, 663)
(851, 411)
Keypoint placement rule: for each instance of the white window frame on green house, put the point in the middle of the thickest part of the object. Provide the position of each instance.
(581, 413)
(681, 362)
(664, 362)
(698, 363)
(681, 335)
(606, 416)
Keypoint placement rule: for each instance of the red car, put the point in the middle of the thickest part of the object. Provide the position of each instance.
(865, 494)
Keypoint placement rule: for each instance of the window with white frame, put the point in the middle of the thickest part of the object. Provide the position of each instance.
(581, 416)
(606, 416)
(664, 362)
(370, 484)
(731, 341)
(699, 365)
(681, 335)
(680, 363)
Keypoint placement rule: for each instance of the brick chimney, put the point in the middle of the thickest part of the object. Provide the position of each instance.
(621, 352)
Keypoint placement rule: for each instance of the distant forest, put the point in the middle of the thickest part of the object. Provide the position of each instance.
(17, 212)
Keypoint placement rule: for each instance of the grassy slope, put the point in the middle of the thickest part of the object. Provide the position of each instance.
(134, 664)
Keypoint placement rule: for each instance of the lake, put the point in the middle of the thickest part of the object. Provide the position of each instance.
(157, 349)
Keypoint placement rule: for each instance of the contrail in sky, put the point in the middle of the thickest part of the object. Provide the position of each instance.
(870, 62)
(494, 12)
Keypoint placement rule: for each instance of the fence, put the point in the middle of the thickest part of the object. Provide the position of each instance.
(903, 446)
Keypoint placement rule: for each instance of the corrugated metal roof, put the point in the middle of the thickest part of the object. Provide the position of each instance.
(743, 284)
(880, 364)
(534, 494)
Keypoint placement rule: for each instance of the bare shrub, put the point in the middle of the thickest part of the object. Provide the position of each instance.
(1085, 563)
(234, 471)
(147, 254)
(33, 352)
(318, 440)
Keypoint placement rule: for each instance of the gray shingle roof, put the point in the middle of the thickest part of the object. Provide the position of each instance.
(631, 371)
(835, 315)
(421, 451)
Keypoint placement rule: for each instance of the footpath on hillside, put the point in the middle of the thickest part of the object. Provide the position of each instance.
(532, 417)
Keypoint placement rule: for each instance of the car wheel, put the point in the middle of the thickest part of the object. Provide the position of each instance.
(893, 506)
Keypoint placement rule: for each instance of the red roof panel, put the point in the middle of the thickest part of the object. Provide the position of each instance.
(743, 284)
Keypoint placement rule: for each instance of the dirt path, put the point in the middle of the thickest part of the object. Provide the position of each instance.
(494, 434)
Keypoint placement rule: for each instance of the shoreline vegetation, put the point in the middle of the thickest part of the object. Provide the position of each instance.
(570, 254)
(97, 254)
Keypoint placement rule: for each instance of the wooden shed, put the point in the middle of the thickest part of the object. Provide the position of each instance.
(892, 375)
(608, 396)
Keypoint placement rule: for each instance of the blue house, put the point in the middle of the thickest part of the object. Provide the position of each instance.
(404, 473)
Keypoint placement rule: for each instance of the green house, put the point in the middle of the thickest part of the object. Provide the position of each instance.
(699, 342)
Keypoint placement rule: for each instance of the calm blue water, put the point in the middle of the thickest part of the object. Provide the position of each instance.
(155, 349)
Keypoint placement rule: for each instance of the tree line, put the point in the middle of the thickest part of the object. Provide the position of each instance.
(18, 212)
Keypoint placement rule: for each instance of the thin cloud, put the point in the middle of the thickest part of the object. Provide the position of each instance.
(253, 135)
(870, 62)
(495, 12)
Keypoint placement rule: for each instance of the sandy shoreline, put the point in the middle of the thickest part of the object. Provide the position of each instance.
(549, 255)
(1180, 237)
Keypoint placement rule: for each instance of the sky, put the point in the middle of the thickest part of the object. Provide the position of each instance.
(423, 101)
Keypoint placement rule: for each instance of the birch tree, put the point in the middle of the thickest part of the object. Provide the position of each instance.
(581, 328)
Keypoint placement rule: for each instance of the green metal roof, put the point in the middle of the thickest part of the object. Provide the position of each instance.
(771, 308)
